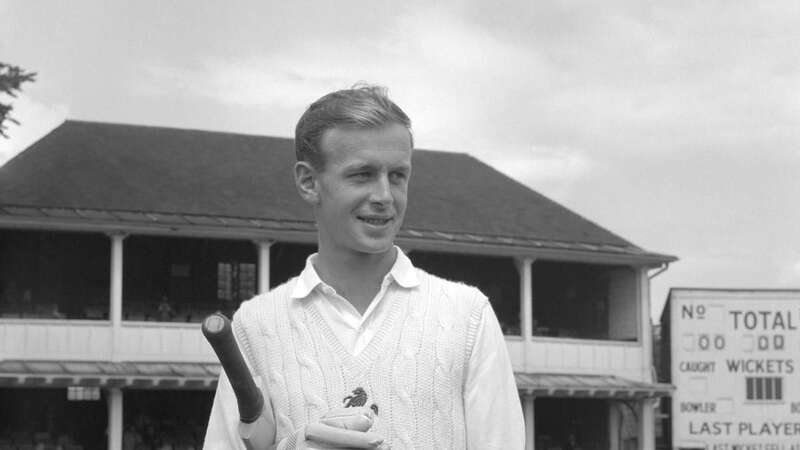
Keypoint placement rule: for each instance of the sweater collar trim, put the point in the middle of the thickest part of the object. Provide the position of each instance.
(402, 272)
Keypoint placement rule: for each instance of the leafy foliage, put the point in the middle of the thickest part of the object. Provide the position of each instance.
(11, 78)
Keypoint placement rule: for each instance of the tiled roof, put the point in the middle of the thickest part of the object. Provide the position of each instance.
(125, 174)
(140, 375)
(159, 375)
(598, 386)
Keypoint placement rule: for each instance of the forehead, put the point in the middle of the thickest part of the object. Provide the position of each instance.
(391, 142)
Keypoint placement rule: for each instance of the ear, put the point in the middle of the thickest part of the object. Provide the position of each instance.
(305, 179)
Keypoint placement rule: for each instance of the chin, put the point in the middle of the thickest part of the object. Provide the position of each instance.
(373, 250)
(376, 248)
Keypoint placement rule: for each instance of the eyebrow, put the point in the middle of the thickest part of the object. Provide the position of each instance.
(355, 167)
(359, 166)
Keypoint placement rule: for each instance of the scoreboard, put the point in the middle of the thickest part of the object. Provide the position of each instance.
(735, 362)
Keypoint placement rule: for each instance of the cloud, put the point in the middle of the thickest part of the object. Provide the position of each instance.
(437, 37)
(790, 275)
(552, 170)
(543, 164)
(430, 59)
(36, 119)
(250, 83)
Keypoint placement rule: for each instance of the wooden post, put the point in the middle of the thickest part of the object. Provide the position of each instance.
(526, 305)
(115, 419)
(263, 265)
(530, 423)
(115, 300)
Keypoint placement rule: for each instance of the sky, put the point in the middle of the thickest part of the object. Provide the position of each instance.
(675, 125)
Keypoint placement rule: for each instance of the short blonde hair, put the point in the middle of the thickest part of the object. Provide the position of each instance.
(363, 106)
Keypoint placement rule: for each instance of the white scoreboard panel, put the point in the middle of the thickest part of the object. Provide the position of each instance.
(735, 358)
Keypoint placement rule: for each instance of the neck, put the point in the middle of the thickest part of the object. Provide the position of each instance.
(355, 276)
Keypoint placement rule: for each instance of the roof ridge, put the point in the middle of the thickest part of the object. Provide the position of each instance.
(171, 128)
(222, 132)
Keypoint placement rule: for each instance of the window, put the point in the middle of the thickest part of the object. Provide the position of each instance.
(247, 281)
(584, 301)
(236, 281)
(764, 388)
(224, 286)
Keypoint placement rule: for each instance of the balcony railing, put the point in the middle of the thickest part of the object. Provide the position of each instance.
(98, 340)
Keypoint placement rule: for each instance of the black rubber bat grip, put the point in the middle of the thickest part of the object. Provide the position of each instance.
(219, 333)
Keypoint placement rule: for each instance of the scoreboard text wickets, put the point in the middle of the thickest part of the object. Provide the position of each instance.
(734, 360)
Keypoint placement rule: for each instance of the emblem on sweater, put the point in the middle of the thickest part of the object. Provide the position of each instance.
(358, 398)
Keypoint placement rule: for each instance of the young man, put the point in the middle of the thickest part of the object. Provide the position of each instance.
(421, 357)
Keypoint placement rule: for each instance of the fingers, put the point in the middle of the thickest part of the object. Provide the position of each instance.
(341, 438)
(358, 419)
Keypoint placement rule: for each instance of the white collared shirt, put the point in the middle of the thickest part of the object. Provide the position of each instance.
(493, 416)
(354, 330)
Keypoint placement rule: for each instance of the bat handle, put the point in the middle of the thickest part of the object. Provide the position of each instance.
(219, 333)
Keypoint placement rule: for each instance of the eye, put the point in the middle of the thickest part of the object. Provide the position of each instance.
(360, 175)
(398, 176)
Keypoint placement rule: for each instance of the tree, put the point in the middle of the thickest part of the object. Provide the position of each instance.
(11, 78)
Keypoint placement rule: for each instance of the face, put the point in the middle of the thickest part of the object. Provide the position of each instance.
(360, 195)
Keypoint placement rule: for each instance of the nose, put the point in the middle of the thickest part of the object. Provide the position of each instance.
(382, 191)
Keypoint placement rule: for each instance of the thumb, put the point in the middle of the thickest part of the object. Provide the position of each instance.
(359, 419)
(338, 437)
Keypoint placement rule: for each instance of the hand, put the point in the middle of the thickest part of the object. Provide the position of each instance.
(337, 429)
(358, 418)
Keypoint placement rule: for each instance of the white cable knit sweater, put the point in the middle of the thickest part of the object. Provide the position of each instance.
(412, 371)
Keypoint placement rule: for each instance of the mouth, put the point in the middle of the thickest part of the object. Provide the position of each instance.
(375, 221)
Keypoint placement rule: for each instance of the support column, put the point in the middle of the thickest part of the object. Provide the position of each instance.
(614, 422)
(525, 304)
(646, 329)
(115, 300)
(115, 308)
(115, 419)
(646, 426)
(263, 265)
(530, 423)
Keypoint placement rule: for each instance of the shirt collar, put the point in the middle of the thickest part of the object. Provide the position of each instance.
(402, 272)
